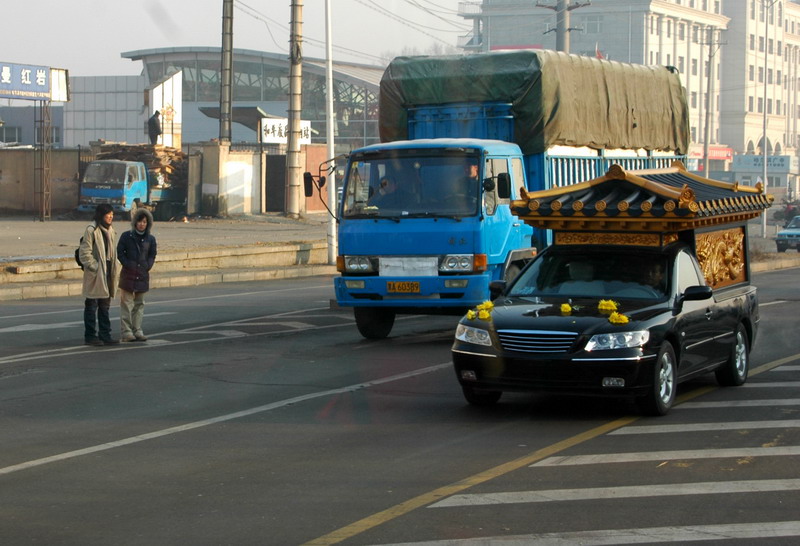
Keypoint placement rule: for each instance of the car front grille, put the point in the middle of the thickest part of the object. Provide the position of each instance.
(536, 341)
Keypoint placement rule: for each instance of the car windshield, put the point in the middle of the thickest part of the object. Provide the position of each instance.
(605, 275)
(412, 183)
(795, 223)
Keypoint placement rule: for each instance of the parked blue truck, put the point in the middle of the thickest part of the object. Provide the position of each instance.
(463, 136)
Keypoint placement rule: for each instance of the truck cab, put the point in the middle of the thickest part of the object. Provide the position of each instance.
(451, 198)
(122, 184)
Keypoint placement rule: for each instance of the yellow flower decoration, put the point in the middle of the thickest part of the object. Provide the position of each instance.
(486, 306)
(483, 314)
(617, 318)
(471, 314)
(607, 306)
(566, 309)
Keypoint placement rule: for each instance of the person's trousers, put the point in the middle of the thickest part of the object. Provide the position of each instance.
(131, 312)
(96, 321)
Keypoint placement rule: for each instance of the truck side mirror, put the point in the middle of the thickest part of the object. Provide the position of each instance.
(503, 186)
(488, 184)
(308, 182)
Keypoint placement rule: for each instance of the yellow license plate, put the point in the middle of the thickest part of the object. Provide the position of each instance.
(402, 287)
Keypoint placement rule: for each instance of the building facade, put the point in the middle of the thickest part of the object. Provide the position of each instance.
(738, 61)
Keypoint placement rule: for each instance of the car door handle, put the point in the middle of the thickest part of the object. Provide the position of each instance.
(708, 314)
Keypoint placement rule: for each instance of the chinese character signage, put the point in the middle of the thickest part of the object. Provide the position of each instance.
(20, 81)
(276, 131)
(776, 164)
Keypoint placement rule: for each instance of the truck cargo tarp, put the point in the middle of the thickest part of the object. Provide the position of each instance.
(557, 98)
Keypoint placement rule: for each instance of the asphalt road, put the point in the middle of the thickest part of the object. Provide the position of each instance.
(257, 415)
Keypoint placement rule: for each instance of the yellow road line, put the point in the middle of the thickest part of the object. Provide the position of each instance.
(436, 495)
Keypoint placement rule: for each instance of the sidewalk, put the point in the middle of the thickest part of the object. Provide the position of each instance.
(37, 258)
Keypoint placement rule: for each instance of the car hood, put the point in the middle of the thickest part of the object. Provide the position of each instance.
(582, 316)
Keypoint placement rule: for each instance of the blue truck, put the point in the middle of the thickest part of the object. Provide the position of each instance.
(128, 185)
(425, 222)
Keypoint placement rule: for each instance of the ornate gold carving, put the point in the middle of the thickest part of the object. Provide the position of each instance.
(670, 238)
(646, 206)
(669, 206)
(622, 206)
(556, 205)
(534, 204)
(600, 238)
(721, 256)
(577, 206)
(600, 206)
(687, 196)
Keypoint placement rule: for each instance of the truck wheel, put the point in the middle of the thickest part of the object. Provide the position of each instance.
(511, 272)
(662, 393)
(478, 397)
(374, 323)
(734, 372)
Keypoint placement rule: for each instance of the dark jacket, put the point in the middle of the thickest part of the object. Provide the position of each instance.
(137, 254)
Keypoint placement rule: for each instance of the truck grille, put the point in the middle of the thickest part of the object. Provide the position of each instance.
(536, 341)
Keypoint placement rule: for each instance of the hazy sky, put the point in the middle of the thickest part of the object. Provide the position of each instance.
(87, 37)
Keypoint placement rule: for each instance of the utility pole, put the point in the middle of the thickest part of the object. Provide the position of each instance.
(713, 47)
(562, 9)
(330, 122)
(766, 5)
(293, 167)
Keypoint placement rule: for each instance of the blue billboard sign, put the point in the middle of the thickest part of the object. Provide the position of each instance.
(22, 81)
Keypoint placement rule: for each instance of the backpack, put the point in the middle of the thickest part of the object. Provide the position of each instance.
(78, 254)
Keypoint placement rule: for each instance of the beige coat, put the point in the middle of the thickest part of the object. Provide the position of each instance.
(93, 257)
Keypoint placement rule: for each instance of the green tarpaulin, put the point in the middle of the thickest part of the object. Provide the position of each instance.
(557, 98)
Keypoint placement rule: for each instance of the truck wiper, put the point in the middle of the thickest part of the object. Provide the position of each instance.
(433, 215)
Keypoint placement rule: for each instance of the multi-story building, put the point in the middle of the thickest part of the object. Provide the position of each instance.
(738, 61)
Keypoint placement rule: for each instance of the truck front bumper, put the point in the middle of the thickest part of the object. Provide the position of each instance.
(452, 291)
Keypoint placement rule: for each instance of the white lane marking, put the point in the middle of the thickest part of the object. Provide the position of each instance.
(57, 325)
(219, 419)
(776, 302)
(698, 427)
(220, 333)
(647, 535)
(787, 369)
(622, 492)
(164, 302)
(771, 385)
(769, 402)
(635, 457)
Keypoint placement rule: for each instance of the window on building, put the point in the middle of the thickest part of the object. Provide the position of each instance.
(669, 29)
(669, 59)
(760, 105)
(761, 74)
(10, 134)
(716, 7)
(761, 44)
(778, 107)
(592, 24)
(769, 46)
(55, 135)
(694, 67)
(769, 76)
(769, 106)
(682, 32)
(694, 99)
(780, 49)
(749, 104)
(752, 42)
(761, 8)
(778, 81)
(752, 9)
(751, 73)
(705, 69)
(681, 64)
(694, 134)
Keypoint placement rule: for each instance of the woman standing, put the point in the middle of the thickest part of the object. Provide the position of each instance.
(99, 258)
(137, 254)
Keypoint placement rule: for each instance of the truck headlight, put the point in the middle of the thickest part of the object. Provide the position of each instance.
(456, 263)
(354, 264)
(476, 336)
(618, 340)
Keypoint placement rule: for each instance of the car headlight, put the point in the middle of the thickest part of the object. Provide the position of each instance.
(618, 340)
(472, 335)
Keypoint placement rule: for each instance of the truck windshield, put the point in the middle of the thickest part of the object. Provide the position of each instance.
(412, 184)
(105, 173)
(611, 274)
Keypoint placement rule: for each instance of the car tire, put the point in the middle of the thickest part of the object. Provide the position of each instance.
(734, 372)
(478, 397)
(665, 380)
(374, 323)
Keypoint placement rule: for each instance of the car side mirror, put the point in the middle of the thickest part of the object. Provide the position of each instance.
(698, 293)
(504, 186)
(496, 288)
(488, 184)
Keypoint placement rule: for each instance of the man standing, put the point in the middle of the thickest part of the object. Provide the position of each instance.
(154, 127)
(98, 253)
